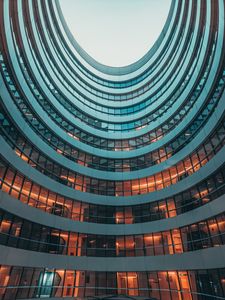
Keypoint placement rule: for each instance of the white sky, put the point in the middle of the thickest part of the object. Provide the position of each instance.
(116, 32)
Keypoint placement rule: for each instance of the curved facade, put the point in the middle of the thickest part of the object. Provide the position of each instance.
(112, 179)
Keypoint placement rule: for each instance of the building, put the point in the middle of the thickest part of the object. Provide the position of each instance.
(112, 179)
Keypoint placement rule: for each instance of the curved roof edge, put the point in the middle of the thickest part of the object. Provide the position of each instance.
(109, 70)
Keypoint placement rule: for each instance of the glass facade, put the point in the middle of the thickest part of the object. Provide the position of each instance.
(23, 283)
(19, 233)
(112, 179)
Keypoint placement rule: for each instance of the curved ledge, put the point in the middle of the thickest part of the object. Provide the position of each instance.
(30, 213)
(200, 259)
(66, 191)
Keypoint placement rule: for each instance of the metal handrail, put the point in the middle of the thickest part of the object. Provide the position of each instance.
(108, 288)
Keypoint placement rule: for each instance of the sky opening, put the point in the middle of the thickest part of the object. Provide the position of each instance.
(116, 32)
